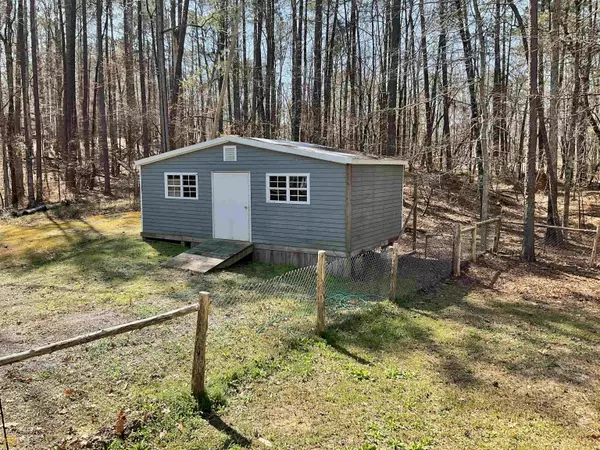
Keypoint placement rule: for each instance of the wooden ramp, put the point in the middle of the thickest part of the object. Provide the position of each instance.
(211, 254)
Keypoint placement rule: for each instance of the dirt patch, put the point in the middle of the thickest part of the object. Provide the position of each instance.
(52, 328)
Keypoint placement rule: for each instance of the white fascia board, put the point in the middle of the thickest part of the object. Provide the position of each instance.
(180, 151)
(379, 162)
(315, 154)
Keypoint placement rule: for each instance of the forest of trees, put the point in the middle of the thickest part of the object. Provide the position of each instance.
(479, 86)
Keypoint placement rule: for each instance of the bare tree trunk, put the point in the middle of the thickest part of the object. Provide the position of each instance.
(553, 234)
(178, 70)
(270, 84)
(445, 88)
(497, 100)
(392, 74)
(573, 133)
(24, 69)
(70, 105)
(428, 97)
(111, 86)
(12, 120)
(162, 77)
(245, 78)
(258, 109)
(132, 112)
(297, 15)
(529, 232)
(103, 134)
(317, 80)
(327, 83)
(5, 159)
(85, 100)
(352, 123)
(142, 69)
(36, 103)
(484, 168)
(468, 52)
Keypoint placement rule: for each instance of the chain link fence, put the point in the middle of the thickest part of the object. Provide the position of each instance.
(350, 282)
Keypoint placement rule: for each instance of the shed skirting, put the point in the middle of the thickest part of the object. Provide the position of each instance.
(172, 237)
(294, 256)
(275, 254)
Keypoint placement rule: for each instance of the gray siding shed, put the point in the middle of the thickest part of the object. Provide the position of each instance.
(319, 225)
(376, 205)
(355, 200)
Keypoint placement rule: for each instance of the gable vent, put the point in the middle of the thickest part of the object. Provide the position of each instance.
(229, 153)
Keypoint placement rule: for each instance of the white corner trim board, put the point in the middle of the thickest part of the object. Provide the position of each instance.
(315, 153)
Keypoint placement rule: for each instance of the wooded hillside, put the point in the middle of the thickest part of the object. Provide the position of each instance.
(88, 87)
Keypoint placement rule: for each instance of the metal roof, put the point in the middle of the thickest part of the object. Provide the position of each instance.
(290, 147)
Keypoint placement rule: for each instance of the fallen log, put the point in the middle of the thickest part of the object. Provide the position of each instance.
(40, 208)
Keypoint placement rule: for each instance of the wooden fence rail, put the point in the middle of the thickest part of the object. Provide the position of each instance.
(199, 349)
(555, 227)
(595, 240)
(472, 229)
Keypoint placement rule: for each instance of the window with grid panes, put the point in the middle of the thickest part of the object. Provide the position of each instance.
(288, 188)
(181, 185)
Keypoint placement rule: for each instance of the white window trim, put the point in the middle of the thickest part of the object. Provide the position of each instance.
(287, 189)
(195, 174)
(230, 147)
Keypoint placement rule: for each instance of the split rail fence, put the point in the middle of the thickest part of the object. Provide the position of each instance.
(471, 241)
(342, 283)
(561, 246)
(337, 286)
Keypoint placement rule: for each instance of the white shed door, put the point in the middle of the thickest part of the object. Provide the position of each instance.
(231, 205)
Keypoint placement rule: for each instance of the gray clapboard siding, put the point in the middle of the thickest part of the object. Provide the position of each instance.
(376, 211)
(321, 224)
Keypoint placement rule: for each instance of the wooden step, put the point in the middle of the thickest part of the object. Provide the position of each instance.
(211, 254)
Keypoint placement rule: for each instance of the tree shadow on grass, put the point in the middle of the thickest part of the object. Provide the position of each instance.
(234, 436)
(485, 346)
(165, 249)
(464, 334)
(116, 260)
(208, 412)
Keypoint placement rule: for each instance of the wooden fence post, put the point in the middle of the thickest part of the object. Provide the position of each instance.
(394, 274)
(497, 236)
(321, 292)
(199, 364)
(474, 244)
(456, 250)
(595, 246)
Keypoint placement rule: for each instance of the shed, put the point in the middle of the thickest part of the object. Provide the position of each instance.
(289, 199)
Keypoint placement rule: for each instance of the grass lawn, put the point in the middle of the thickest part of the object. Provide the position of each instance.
(505, 357)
